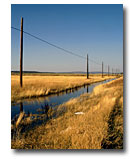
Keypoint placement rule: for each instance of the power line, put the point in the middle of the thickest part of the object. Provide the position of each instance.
(50, 43)
(67, 51)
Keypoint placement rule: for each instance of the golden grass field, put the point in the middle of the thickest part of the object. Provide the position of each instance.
(36, 86)
(99, 126)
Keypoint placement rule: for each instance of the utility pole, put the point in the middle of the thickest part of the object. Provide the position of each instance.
(108, 70)
(116, 71)
(87, 68)
(21, 52)
(102, 69)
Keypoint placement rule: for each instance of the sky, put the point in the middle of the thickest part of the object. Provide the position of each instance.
(96, 30)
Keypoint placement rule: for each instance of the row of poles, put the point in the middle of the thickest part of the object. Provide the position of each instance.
(21, 57)
(102, 69)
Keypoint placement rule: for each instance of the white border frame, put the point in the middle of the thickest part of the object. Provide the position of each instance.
(5, 88)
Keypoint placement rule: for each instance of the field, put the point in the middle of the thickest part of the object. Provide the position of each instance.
(41, 85)
(91, 121)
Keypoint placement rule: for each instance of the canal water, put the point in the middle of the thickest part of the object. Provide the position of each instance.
(33, 106)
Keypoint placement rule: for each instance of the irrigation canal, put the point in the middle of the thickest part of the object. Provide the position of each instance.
(33, 106)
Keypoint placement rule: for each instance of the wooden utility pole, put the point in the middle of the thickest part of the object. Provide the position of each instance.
(116, 71)
(102, 69)
(87, 68)
(112, 71)
(108, 70)
(21, 53)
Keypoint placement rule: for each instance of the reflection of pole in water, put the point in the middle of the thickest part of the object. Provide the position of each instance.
(47, 109)
(21, 107)
(87, 89)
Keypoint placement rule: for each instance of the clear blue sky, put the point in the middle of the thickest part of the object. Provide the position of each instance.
(93, 29)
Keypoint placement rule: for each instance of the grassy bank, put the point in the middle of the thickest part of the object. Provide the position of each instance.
(36, 86)
(91, 121)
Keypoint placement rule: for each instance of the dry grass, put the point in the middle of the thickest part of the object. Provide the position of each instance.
(36, 86)
(100, 125)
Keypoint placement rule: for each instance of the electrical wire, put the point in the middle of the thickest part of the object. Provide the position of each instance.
(67, 51)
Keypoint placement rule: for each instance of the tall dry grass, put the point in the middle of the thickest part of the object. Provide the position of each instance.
(36, 86)
(91, 121)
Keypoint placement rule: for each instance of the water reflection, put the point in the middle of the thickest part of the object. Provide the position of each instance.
(87, 88)
(21, 107)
